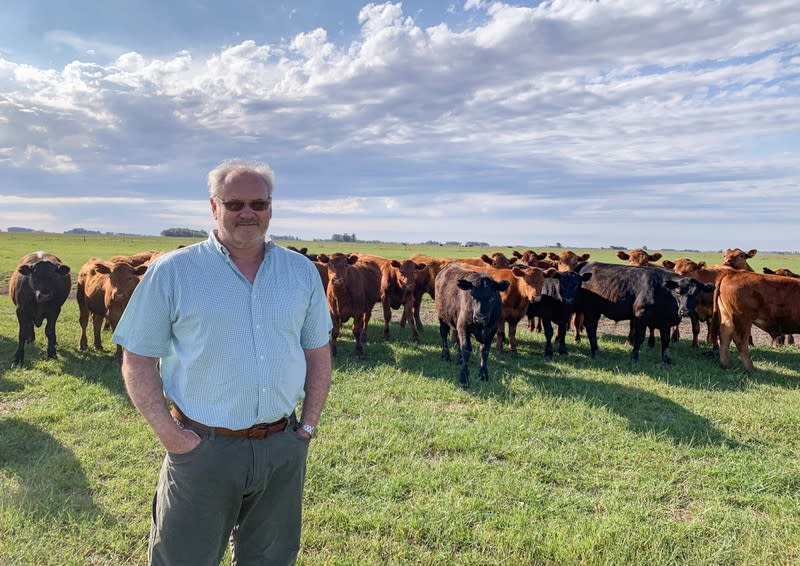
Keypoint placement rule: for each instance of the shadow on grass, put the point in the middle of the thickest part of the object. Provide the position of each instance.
(51, 480)
(7, 349)
(94, 366)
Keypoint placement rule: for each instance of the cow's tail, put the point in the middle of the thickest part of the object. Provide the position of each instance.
(716, 317)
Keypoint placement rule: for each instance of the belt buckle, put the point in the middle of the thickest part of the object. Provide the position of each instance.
(257, 432)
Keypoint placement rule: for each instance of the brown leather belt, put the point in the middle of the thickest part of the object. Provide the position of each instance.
(255, 432)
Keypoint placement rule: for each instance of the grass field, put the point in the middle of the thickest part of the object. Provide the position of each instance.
(569, 461)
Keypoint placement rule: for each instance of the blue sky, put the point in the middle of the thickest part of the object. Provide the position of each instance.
(670, 124)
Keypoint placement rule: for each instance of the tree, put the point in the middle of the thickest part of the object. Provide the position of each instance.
(184, 233)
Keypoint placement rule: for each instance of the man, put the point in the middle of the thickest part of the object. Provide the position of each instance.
(234, 332)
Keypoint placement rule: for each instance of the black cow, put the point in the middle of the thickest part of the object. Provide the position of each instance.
(647, 296)
(557, 304)
(38, 287)
(469, 303)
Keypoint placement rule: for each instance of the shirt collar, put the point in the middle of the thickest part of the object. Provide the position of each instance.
(215, 244)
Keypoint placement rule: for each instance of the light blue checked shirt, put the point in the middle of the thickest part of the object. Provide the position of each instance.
(231, 352)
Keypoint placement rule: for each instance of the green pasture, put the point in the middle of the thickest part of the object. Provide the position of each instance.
(569, 461)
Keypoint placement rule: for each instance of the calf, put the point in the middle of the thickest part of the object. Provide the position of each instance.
(525, 287)
(39, 286)
(737, 258)
(647, 296)
(103, 291)
(639, 257)
(568, 260)
(743, 299)
(557, 304)
(354, 286)
(426, 280)
(468, 302)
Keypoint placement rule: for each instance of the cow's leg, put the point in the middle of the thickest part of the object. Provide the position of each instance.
(778, 340)
(485, 347)
(651, 341)
(387, 317)
(365, 324)
(501, 335)
(358, 333)
(83, 320)
(548, 338)
(562, 337)
(337, 325)
(664, 332)
(695, 330)
(539, 324)
(512, 337)
(725, 334)
(676, 334)
(97, 325)
(578, 320)
(790, 339)
(50, 332)
(409, 306)
(465, 349)
(590, 324)
(639, 332)
(417, 314)
(25, 331)
(444, 330)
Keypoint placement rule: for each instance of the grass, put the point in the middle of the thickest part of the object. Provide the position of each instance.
(569, 461)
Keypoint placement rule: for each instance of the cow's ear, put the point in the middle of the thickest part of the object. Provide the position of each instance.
(751, 253)
(464, 284)
(655, 257)
(517, 271)
(551, 272)
(623, 255)
(486, 259)
(421, 266)
(25, 269)
(351, 259)
(585, 257)
(63, 269)
(395, 263)
(140, 270)
(668, 264)
(322, 258)
(701, 265)
(312, 257)
(768, 271)
(671, 284)
(585, 277)
(503, 284)
(102, 268)
(516, 254)
(554, 257)
(303, 251)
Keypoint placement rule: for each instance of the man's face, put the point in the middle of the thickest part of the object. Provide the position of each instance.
(247, 227)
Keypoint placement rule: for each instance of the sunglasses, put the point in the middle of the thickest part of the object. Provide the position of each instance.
(235, 205)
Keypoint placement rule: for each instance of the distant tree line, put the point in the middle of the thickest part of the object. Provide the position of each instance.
(344, 237)
(184, 233)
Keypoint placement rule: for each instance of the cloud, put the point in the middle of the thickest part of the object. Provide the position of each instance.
(587, 110)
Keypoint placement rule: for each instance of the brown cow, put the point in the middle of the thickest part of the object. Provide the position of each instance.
(525, 287)
(398, 282)
(743, 299)
(426, 281)
(568, 260)
(639, 257)
(528, 257)
(103, 291)
(38, 287)
(137, 259)
(737, 259)
(354, 286)
(783, 272)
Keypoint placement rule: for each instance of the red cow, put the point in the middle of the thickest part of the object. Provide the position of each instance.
(639, 257)
(737, 259)
(354, 286)
(743, 299)
(426, 283)
(783, 272)
(103, 291)
(525, 286)
(568, 260)
(38, 287)
(529, 257)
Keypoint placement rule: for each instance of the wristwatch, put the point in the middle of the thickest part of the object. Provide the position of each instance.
(309, 428)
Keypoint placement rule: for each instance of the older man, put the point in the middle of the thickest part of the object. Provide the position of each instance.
(233, 332)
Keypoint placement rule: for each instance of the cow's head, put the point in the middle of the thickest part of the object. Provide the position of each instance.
(532, 280)
(44, 277)
(498, 260)
(687, 292)
(485, 298)
(737, 258)
(782, 272)
(568, 260)
(338, 265)
(639, 257)
(122, 280)
(407, 273)
(569, 282)
(529, 256)
(683, 266)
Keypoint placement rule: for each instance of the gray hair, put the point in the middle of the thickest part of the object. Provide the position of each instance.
(218, 176)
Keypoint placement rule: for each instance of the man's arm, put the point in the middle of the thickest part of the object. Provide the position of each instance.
(146, 390)
(318, 383)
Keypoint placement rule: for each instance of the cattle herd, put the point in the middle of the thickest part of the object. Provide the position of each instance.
(474, 298)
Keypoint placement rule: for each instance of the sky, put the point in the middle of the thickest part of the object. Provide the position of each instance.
(667, 123)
